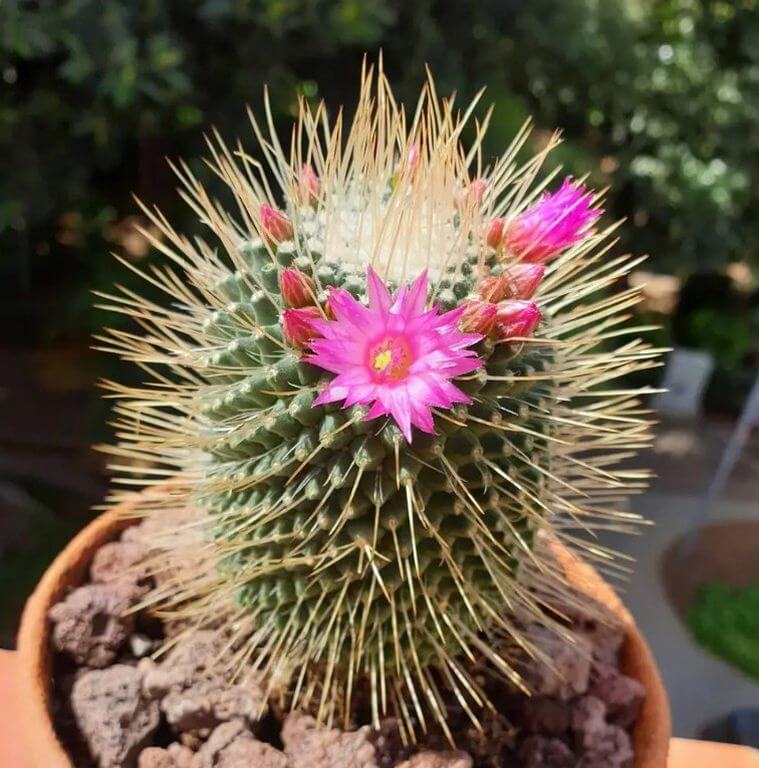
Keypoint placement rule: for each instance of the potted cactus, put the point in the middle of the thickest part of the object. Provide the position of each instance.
(380, 426)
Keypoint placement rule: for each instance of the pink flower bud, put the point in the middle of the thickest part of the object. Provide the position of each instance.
(478, 317)
(308, 186)
(296, 288)
(494, 288)
(471, 196)
(516, 319)
(523, 280)
(557, 221)
(275, 226)
(298, 327)
(409, 166)
(413, 156)
(495, 233)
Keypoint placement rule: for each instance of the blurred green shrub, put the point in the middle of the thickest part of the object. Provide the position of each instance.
(662, 97)
(726, 622)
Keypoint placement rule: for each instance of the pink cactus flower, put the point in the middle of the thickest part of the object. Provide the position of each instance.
(299, 325)
(296, 288)
(478, 317)
(395, 356)
(516, 319)
(275, 226)
(556, 221)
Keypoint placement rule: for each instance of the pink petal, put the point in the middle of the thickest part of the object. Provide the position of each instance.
(379, 296)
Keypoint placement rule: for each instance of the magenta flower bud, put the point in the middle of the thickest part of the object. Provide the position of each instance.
(413, 156)
(471, 196)
(516, 319)
(524, 279)
(298, 325)
(478, 317)
(494, 236)
(555, 222)
(275, 226)
(409, 166)
(494, 288)
(308, 186)
(296, 288)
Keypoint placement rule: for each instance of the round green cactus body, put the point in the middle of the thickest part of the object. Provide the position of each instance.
(339, 520)
(339, 547)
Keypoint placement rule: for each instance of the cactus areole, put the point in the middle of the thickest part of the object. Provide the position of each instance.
(381, 377)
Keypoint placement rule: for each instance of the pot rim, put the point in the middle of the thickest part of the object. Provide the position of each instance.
(650, 737)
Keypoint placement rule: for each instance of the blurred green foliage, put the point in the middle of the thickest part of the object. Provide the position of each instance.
(726, 622)
(661, 97)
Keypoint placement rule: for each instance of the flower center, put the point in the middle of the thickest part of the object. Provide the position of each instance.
(390, 359)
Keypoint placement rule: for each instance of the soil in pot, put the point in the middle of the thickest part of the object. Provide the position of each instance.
(116, 704)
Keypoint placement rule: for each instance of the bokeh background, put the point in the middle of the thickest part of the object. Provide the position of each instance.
(659, 99)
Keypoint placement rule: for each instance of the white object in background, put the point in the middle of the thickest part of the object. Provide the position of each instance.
(685, 379)
(739, 437)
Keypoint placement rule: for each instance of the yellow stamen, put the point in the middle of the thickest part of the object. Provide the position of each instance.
(382, 360)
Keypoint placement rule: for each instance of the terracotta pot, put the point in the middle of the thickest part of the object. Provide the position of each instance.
(651, 736)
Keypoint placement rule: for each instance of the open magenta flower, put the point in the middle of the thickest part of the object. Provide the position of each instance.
(396, 356)
(557, 221)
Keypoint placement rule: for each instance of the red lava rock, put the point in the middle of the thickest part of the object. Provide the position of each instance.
(246, 752)
(91, 624)
(119, 560)
(174, 756)
(194, 694)
(606, 640)
(310, 746)
(612, 750)
(588, 721)
(428, 759)
(155, 757)
(622, 695)
(549, 717)
(569, 670)
(232, 745)
(220, 739)
(114, 718)
(542, 752)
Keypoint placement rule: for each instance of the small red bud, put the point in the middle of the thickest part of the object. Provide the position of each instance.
(296, 288)
(524, 279)
(494, 288)
(516, 319)
(478, 317)
(275, 226)
(413, 157)
(297, 325)
(409, 165)
(308, 186)
(471, 196)
(495, 233)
